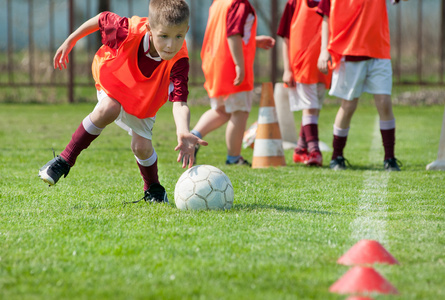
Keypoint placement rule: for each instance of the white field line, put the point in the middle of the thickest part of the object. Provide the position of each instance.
(370, 222)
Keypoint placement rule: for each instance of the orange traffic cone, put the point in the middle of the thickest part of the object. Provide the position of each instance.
(268, 150)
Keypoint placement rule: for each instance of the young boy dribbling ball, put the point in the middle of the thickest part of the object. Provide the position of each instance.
(142, 63)
(300, 28)
(227, 54)
(355, 39)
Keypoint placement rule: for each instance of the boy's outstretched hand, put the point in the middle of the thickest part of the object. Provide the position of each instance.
(186, 147)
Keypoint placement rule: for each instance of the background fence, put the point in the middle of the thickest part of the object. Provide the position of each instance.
(31, 31)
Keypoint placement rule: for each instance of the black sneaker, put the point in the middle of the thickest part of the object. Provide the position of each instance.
(53, 170)
(155, 194)
(392, 164)
(241, 161)
(339, 163)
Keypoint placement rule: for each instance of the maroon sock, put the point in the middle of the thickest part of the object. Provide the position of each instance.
(301, 143)
(311, 134)
(149, 174)
(80, 140)
(389, 140)
(338, 144)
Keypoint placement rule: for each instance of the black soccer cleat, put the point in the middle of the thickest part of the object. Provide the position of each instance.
(155, 194)
(339, 163)
(392, 164)
(53, 170)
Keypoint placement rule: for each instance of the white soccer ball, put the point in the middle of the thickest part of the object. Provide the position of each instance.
(203, 187)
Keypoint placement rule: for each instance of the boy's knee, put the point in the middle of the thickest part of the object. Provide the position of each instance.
(109, 109)
(113, 108)
(142, 149)
(349, 106)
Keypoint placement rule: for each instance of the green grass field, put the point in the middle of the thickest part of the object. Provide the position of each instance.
(281, 240)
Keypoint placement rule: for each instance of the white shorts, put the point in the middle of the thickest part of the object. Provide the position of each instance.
(130, 123)
(241, 101)
(351, 79)
(306, 96)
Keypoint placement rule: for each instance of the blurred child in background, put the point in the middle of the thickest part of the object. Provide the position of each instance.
(227, 54)
(300, 28)
(355, 39)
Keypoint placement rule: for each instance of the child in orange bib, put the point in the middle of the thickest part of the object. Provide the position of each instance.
(143, 62)
(300, 28)
(227, 54)
(356, 44)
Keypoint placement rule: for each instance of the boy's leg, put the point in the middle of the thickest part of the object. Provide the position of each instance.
(105, 113)
(300, 152)
(146, 158)
(301, 143)
(387, 130)
(88, 130)
(341, 131)
(211, 120)
(235, 132)
(310, 128)
(147, 161)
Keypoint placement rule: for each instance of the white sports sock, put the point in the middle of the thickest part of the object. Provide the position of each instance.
(149, 161)
(90, 127)
(341, 132)
(387, 125)
(306, 120)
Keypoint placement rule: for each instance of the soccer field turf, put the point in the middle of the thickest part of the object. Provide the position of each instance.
(281, 239)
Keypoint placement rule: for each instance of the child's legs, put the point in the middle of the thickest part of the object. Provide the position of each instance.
(238, 105)
(379, 83)
(211, 120)
(142, 148)
(235, 132)
(104, 113)
(384, 107)
(348, 81)
(345, 113)
(387, 124)
(146, 158)
(310, 129)
(308, 98)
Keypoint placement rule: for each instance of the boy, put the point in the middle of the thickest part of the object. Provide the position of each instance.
(227, 54)
(355, 38)
(300, 28)
(141, 64)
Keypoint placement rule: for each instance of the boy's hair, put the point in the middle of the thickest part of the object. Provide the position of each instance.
(168, 12)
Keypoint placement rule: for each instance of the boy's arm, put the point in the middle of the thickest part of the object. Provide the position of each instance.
(236, 49)
(325, 56)
(288, 77)
(186, 140)
(61, 56)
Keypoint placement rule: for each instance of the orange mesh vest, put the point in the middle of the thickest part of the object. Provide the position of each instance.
(359, 28)
(304, 45)
(217, 62)
(117, 73)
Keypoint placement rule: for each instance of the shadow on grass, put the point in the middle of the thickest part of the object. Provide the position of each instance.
(256, 206)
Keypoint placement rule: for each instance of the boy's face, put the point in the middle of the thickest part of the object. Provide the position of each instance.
(166, 41)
